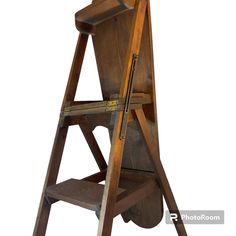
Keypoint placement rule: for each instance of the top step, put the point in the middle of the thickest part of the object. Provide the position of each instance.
(101, 10)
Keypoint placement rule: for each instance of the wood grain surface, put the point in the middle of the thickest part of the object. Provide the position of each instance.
(111, 45)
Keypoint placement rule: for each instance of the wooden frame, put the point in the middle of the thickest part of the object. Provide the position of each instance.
(126, 185)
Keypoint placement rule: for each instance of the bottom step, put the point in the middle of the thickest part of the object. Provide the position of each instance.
(78, 192)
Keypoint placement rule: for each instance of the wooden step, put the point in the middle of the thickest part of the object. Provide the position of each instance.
(79, 192)
(87, 193)
(96, 107)
(101, 10)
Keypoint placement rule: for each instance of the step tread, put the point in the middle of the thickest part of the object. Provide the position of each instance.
(79, 192)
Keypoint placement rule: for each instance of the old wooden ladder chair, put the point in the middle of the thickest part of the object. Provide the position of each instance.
(135, 180)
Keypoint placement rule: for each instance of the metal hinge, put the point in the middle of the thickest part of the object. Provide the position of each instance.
(112, 105)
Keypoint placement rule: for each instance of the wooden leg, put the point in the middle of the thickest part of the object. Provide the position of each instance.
(88, 134)
(60, 138)
(162, 179)
(116, 154)
(44, 208)
(112, 181)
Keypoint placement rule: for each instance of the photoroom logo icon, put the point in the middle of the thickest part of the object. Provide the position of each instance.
(173, 217)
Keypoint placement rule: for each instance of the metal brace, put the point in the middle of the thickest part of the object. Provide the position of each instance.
(128, 97)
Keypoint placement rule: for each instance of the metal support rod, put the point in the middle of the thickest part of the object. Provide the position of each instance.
(128, 97)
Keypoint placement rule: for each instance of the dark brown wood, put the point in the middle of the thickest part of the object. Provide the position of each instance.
(77, 108)
(96, 178)
(117, 147)
(100, 119)
(161, 176)
(111, 62)
(140, 98)
(135, 178)
(75, 70)
(87, 193)
(135, 196)
(146, 213)
(94, 147)
(102, 10)
(79, 192)
(60, 138)
(98, 110)
(85, 28)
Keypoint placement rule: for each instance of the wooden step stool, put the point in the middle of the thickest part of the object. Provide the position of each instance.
(134, 177)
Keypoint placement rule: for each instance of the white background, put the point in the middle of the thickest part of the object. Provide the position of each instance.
(195, 62)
